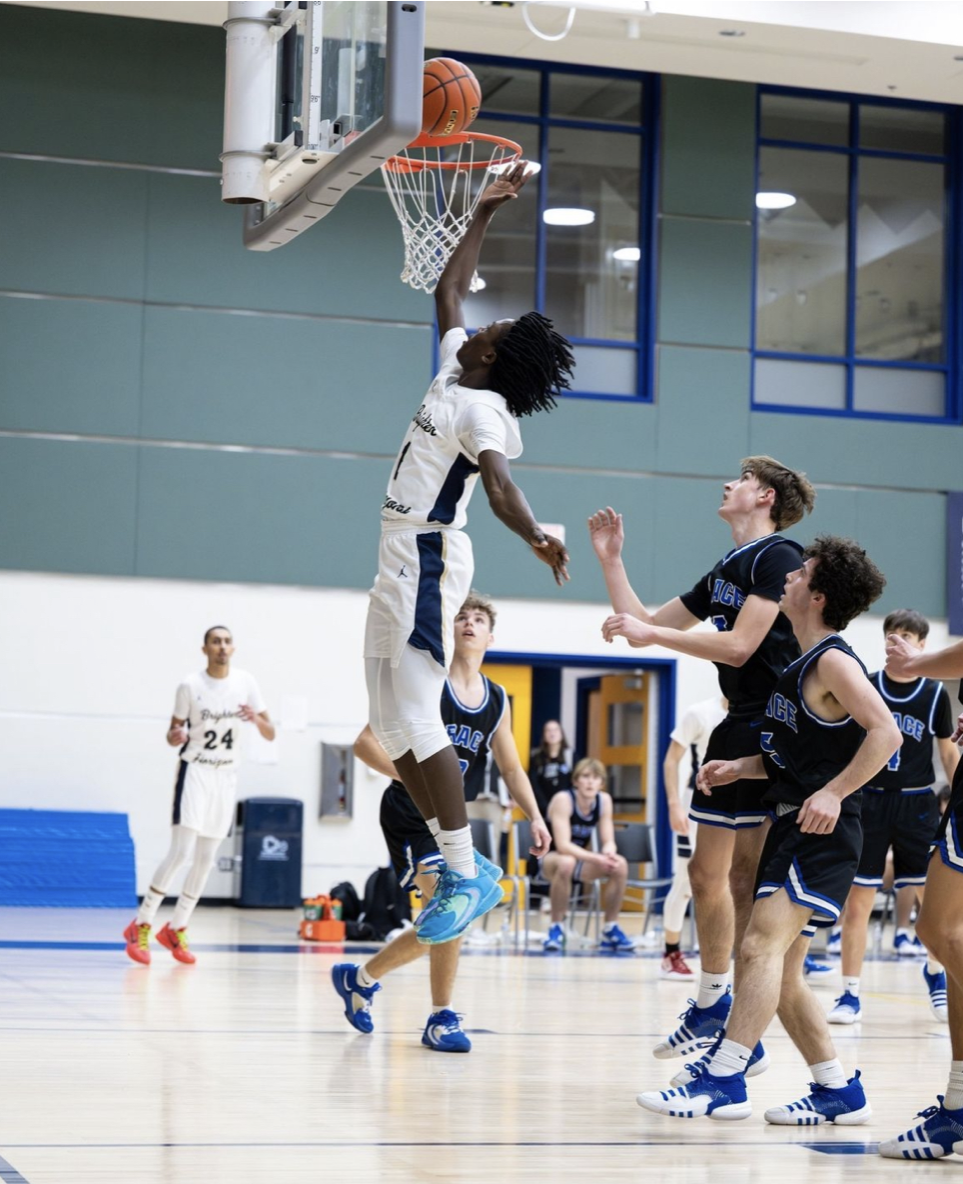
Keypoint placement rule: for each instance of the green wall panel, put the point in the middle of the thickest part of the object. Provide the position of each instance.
(70, 366)
(110, 88)
(268, 519)
(706, 283)
(72, 230)
(708, 147)
(703, 397)
(905, 535)
(220, 377)
(348, 265)
(592, 434)
(67, 506)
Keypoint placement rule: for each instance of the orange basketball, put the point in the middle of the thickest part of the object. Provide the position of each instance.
(451, 97)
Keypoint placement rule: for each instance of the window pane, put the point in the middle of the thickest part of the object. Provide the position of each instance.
(605, 370)
(815, 121)
(505, 89)
(800, 384)
(902, 129)
(591, 96)
(900, 392)
(801, 253)
(588, 293)
(899, 279)
(507, 262)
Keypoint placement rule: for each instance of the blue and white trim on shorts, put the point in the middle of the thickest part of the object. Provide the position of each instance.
(427, 865)
(949, 846)
(825, 911)
(741, 820)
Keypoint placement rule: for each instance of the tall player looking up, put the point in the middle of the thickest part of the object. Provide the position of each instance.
(467, 425)
(752, 645)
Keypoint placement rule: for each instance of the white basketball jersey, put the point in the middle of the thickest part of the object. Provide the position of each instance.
(211, 707)
(436, 468)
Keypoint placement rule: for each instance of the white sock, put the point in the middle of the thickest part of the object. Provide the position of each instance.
(829, 1073)
(364, 978)
(458, 850)
(729, 1059)
(953, 1099)
(182, 911)
(149, 906)
(932, 966)
(434, 826)
(851, 986)
(711, 987)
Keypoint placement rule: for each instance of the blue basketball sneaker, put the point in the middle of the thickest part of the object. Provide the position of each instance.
(555, 939)
(908, 947)
(814, 968)
(933, 1138)
(614, 939)
(846, 1106)
(723, 1098)
(758, 1063)
(846, 1010)
(492, 870)
(936, 986)
(357, 999)
(699, 1028)
(458, 901)
(443, 1033)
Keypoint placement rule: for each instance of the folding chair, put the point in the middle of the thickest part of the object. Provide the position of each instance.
(633, 841)
(587, 894)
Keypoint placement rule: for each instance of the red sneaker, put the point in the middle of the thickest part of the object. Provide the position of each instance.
(138, 942)
(176, 942)
(674, 966)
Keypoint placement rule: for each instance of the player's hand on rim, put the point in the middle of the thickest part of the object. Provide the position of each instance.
(506, 185)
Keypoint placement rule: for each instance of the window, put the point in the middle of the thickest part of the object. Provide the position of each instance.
(852, 258)
(589, 271)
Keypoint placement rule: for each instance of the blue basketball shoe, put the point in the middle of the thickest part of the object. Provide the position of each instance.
(846, 1010)
(443, 1033)
(758, 1063)
(933, 1138)
(492, 870)
(614, 939)
(699, 1028)
(814, 968)
(458, 901)
(722, 1098)
(936, 986)
(846, 1106)
(357, 999)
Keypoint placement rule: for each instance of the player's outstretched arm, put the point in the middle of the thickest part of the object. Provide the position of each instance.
(906, 661)
(509, 506)
(453, 286)
(509, 765)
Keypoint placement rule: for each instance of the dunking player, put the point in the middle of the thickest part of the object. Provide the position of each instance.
(899, 811)
(467, 424)
(940, 923)
(827, 732)
(752, 645)
(477, 716)
(209, 709)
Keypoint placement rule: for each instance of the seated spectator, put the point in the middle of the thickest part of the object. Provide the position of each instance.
(550, 767)
(574, 815)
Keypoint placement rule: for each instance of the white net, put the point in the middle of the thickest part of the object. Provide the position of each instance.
(435, 190)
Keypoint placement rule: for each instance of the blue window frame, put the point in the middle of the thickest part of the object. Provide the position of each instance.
(603, 304)
(857, 311)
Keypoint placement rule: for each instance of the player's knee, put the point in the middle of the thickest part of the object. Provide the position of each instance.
(705, 879)
(622, 870)
(564, 867)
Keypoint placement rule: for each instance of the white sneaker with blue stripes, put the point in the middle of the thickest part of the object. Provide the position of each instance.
(939, 1134)
(936, 988)
(845, 1106)
(722, 1098)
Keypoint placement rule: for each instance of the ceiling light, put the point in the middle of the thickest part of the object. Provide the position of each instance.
(774, 201)
(627, 254)
(568, 216)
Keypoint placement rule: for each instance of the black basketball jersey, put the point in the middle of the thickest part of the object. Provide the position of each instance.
(470, 730)
(583, 824)
(758, 568)
(801, 751)
(922, 711)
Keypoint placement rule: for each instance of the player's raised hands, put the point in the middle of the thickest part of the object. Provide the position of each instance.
(552, 551)
(607, 533)
(505, 186)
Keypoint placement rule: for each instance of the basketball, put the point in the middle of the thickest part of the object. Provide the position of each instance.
(451, 97)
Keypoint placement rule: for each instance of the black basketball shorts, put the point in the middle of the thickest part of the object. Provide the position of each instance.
(737, 806)
(409, 840)
(949, 836)
(815, 870)
(907, 821)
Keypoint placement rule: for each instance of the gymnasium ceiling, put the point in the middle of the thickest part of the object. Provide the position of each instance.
(906, 50)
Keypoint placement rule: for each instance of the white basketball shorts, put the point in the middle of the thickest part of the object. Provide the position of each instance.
(424, 577)
(204, 799)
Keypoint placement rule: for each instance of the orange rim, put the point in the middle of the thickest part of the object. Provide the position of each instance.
(405, 164)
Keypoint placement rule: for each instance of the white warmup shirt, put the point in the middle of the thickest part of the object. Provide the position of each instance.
(211, 707)
(694, 729)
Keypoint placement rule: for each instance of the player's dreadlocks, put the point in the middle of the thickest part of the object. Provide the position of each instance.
(532, 365)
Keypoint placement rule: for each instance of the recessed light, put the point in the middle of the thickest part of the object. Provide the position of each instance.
(627, 254)
(732, 32)
(774, 201)
(478, 284)
(568, 216)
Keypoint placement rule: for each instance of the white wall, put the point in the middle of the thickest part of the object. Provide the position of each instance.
(90, 665)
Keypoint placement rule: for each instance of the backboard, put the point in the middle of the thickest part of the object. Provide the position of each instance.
(318, 95)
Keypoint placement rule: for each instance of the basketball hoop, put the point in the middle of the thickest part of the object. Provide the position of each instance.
(434, 185)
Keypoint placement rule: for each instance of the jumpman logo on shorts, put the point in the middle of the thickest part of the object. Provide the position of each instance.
(403, 574)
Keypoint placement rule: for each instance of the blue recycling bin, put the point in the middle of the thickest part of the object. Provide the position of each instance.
(269, 839)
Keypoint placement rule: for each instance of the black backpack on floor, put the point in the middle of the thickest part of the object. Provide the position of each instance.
(385, 903)
(348, 895)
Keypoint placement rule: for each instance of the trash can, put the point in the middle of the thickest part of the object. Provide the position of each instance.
(268, 860)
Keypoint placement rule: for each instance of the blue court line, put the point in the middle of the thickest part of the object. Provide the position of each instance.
(9, 1174)
(852, 1148)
